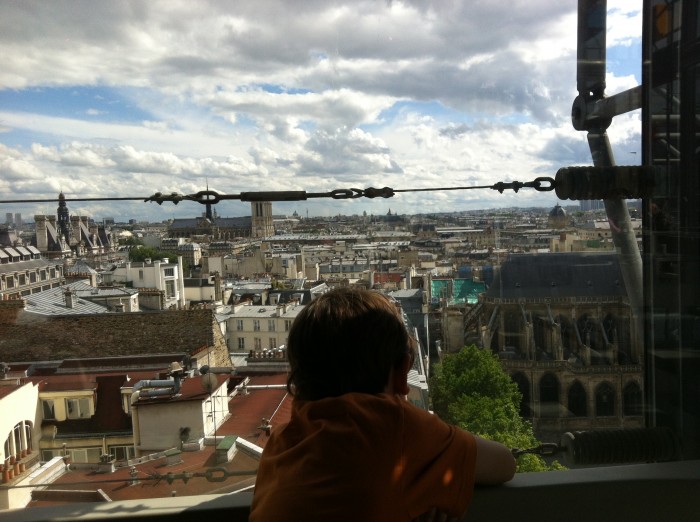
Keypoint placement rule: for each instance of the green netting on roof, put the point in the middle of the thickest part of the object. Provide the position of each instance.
(456, 291)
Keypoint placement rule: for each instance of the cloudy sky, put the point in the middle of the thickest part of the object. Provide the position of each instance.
(125, 99)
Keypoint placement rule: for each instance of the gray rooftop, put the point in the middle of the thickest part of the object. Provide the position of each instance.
(555, 275)
(31, 264)
(235, 222)
(53, 302)
(410, 293)
(80, 267)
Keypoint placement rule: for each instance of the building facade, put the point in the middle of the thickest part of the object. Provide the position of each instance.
(564, 330)
(254, 328)
(24, 272)
(161, 275)
(262, 223)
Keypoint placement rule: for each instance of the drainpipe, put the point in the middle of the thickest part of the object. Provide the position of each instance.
(135, 422)
(181, 283)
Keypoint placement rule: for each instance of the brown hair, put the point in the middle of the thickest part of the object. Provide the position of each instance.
(347, 340)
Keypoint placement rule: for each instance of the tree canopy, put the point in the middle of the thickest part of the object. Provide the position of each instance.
(470, 389)
(131, 240)
(141, 253)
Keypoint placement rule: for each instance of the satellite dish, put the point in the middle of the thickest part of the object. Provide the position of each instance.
(209, 382)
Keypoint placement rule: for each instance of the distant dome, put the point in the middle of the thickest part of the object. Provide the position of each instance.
(558, 217)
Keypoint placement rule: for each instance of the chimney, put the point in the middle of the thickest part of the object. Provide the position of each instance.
(70, 298)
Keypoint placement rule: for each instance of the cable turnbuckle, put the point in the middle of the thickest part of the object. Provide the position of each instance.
(211, 197)
(541, 184)
(546, 449)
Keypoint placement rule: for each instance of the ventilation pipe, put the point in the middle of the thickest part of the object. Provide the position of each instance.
(161, 387)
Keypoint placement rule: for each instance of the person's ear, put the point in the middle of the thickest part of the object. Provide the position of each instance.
(400, 377)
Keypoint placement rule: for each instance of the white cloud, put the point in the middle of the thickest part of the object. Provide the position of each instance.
(277, 95)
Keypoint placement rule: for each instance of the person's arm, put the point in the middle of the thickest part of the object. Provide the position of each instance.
(495, 463)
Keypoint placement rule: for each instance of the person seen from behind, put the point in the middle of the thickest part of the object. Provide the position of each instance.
(355, 448)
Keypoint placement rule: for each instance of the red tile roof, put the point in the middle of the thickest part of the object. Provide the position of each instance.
(120, 486)
(266, 398)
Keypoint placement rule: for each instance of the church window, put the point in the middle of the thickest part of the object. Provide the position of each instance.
(605, 400)
(577, 400)
(632, 399)
(549, 395)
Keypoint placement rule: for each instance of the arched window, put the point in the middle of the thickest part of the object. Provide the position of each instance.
(523, 383)
(577, 400)
(605, 400)
(549, 395)
(632, 399)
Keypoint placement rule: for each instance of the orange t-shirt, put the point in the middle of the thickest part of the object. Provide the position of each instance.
(361, 457)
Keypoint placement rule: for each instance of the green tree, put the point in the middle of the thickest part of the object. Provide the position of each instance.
(141, 253)
(470, 389)
(131, 240)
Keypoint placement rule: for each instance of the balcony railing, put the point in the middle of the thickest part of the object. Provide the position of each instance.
(643, 492)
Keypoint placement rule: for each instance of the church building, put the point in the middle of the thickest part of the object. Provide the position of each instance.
(64, 235)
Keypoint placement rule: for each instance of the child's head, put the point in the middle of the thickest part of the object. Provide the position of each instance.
(347, 340)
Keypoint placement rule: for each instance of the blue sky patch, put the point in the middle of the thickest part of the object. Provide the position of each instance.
(84, 103)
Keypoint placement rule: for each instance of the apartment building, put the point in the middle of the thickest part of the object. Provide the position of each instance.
(259, 328)
(162, 276)
(24, 272)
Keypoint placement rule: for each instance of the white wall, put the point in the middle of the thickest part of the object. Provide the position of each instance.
(19, 405)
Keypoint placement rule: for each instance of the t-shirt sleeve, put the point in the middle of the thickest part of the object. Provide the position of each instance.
(439, 462)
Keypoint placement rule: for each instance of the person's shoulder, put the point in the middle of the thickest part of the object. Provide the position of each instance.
(362, 400)
(354, 404)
